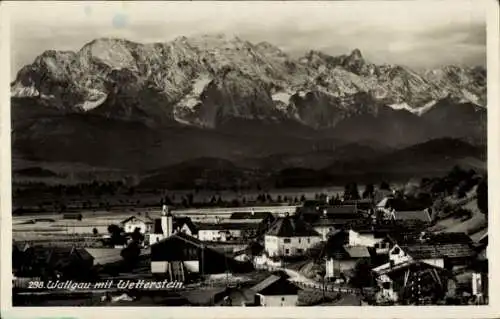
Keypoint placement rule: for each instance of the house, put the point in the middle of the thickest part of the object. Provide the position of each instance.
(144, 224)
(252, 215)
(104, 256)
(169, 224)
(400, 209)
(276, 291)
(335, 217)
(341, 257)
(417, 215)
(342, 260)
(290, 236)
(222, 232)
(180, 256)
(482, 246)
(52, 262)
(412, 282)
(444, 250)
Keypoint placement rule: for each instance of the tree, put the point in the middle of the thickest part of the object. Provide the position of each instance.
(362, 276)
(385, 186)
(130, 254)
(351, 191)
(137, 236)
(95, 231)
(116, 233)
(369, 191)
(482, 196)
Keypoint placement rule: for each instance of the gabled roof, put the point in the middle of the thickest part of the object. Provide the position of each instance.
(291, 227)
(406, 239)
(58, 255)
(387, 268)
(145, 219)
(357, 251)
(178, 222)
(422, 215)
(428, 251)
(275, 285)
(346, 252)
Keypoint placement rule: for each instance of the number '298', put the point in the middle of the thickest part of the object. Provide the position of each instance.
(35, 285)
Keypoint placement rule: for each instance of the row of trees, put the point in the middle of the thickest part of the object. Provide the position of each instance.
(351, 191)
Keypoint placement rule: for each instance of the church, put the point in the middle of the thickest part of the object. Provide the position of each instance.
(168, 225)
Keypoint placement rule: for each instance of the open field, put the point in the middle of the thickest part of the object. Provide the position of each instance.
(53, 226)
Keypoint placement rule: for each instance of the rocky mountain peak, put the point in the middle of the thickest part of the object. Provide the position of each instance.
(245, 80)
(355, 55)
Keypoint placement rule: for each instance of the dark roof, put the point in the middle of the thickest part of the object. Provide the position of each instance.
(182, 247)
(58, 255)
(330, 209)
(291, 227)
(157, 229)
(413, 265)
(348, 252)
(178, 222)
(426, 251)
(422, 215)
(146, 219)
(250, 215)
(431, 239)
(226, 226)
(275, 285)
(334, 221)
(181, 221)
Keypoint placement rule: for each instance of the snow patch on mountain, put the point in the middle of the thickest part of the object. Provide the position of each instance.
(96, 100)
(415, 110)
(282, 97)
(425, 108)
(470, 97)
(192, 99)
(18, 90)
(402, 106)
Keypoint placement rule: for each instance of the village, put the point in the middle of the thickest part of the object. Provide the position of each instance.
(327, 251)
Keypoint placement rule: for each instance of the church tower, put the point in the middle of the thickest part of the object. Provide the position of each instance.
(166, 222)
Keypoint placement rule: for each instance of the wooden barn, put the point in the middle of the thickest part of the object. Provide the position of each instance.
(181, 257)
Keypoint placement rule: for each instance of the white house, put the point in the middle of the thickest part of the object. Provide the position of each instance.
(222, 232)
(144, 224)
(439, 250)
(290, 236)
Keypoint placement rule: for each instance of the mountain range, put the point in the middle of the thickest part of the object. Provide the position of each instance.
(121, 104)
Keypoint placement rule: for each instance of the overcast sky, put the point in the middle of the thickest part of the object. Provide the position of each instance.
(419, 34)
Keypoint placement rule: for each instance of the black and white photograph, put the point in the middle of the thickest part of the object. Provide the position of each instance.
(248, 154)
